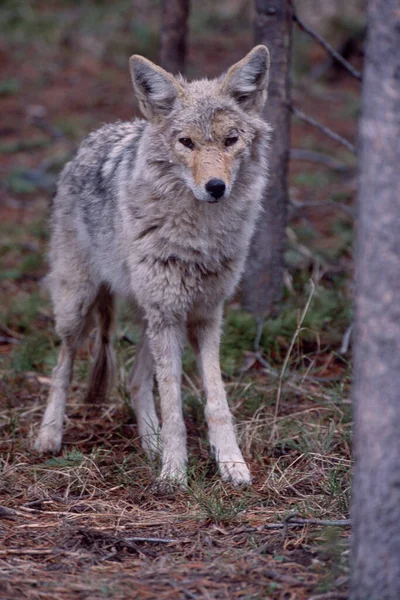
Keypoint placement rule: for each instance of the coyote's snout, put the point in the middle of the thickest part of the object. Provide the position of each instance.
(161, 211)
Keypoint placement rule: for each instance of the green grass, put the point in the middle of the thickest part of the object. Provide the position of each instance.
(36, 352)
(217, 503)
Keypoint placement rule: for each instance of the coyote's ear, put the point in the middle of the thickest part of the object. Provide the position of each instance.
(247, 80)
(155, 89)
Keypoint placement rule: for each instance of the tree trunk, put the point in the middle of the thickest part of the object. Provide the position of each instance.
(262, 281)
(376, 392)
(173, 35)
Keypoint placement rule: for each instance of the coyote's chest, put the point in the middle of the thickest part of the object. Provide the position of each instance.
(181, 264)
(176, 285)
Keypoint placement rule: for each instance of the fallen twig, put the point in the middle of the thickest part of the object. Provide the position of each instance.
(151, 540)
(284, 578)
(7, 513)
(321, 522)
(298, 522)
(28, 551)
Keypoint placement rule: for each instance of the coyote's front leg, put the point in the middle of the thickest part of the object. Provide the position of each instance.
(204, 334)
(166, 344)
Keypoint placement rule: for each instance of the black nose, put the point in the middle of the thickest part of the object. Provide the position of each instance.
(216, 188)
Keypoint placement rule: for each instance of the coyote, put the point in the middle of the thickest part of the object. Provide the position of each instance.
(161, 211)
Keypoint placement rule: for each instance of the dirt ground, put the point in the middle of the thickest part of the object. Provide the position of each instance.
(88, 523)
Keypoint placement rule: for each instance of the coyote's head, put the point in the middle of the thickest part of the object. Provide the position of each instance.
(207, 126)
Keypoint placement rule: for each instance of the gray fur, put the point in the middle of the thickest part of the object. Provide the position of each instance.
(130, 219)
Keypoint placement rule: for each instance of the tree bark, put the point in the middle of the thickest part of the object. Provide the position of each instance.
(262, 281)
(376, 392)
(175, 15)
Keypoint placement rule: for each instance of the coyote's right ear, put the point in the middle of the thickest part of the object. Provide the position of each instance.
(155, 89)
(247, 80)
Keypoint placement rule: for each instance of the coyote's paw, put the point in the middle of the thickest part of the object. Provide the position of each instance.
(49, 440)
(171, 479)
(236, 472)
(167, 486)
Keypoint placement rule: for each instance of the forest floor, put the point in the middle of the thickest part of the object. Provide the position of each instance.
(88, 524)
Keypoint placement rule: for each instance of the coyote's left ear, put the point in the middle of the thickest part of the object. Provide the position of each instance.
(247, 80)
(155, 89)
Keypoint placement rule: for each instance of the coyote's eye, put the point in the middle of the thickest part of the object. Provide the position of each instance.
(187, 142)
(231, 140)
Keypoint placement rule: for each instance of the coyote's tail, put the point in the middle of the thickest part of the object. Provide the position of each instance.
(102, 374)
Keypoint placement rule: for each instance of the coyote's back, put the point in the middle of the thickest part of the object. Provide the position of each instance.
(162, 211)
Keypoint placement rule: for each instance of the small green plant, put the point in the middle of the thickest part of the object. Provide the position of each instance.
(217, 503)
(337, 488)
(71, 458)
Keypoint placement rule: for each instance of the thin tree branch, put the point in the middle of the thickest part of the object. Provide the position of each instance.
(325, 203)
(319, 158)
(335, 136)
(354, 72)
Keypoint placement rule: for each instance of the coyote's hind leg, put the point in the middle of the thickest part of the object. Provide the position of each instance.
(49, 439)
(102, 374)
(166, 343)
(141, 383)
(73, 310)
